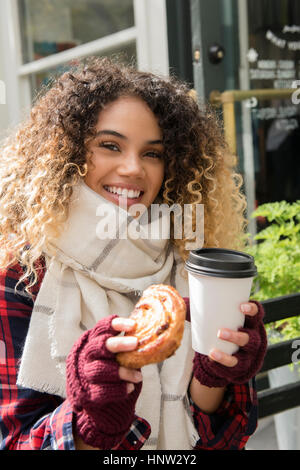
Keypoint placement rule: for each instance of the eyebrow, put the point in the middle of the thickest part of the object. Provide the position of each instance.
(121, 136)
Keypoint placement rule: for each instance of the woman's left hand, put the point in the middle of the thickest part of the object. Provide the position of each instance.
(237, 337)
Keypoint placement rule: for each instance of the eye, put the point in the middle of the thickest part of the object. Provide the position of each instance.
(109, 145)
(153, 154)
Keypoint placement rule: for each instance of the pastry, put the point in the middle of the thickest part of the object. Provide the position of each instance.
(159, 316)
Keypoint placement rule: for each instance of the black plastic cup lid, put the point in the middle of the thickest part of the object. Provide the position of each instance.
(220, 262)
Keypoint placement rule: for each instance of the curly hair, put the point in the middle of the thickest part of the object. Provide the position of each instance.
(45, 156)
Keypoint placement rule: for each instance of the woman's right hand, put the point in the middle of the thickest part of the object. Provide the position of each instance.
(101, 392)
(117, 344)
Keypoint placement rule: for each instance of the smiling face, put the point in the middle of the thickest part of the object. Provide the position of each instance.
(127, 153)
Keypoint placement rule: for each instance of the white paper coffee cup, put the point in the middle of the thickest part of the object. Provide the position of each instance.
(219, 281)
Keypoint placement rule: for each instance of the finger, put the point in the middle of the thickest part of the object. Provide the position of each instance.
(130, 375)
(117, 344)
(122, 324)
(236, 337)
(223, 358)
(249, 308)
(130, 388)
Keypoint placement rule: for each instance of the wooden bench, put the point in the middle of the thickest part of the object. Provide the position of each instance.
(275, 400)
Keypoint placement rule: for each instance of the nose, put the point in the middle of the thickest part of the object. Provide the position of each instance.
(131, 165)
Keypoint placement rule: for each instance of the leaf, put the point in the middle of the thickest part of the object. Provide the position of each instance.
(274, 210)
(276, 250)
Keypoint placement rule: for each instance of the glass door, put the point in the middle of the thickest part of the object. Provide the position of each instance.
(245, 45)
(274, 63)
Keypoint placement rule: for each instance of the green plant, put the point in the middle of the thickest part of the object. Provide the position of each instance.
(277, 257)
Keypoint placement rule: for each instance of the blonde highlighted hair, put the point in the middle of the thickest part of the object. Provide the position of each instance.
(46, 157)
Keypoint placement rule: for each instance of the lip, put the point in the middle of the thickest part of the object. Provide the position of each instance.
(119, 200)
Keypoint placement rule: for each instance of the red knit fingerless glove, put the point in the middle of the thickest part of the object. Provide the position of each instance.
(104, 411)
(250, 357)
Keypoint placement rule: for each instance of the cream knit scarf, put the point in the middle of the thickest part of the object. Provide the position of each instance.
(90, 278)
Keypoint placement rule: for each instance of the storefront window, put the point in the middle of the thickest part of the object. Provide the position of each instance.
(274, 63)
(51, 26)
(42, 80)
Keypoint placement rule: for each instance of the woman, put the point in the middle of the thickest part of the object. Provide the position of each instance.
(102, 134)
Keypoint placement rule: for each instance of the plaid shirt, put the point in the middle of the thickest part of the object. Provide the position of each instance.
(31, 420)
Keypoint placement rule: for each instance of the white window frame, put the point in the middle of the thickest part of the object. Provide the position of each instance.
(149, 34)
(152, 38)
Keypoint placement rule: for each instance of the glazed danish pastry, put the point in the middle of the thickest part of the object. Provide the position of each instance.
(159, 315)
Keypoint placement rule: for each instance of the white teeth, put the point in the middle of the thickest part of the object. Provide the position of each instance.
(128, 193)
